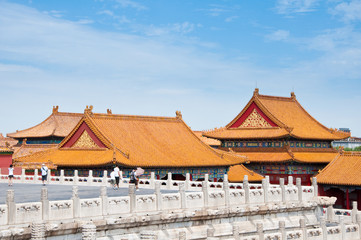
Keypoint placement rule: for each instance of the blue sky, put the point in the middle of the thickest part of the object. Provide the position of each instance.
(203, 58)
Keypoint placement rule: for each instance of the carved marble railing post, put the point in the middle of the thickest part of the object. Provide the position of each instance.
(267, 180)
(158, 196)
(235, 232)
(283, 189)
(182, 235)
(36, 176)
(354, 211)
(358, 219)
(299, 189)
(182, 194)
(206, 177)
(282, 226)
(246, 188)
(187, 182)
(10, 202)
(265, 190)
(76, 202)
(104, 198)
(90, 178)
(330, 214)
(132, 197)
(315, 186)
(341, 222)
(290, 181)
(61, 180)
(48, 179)
(169, 181)
(323, 227)
(152, 180)
(88, 231)
(210, 232)
(105, 178)
(38, 231)
(45, 203)
(22, 178)
(226, 190)
(76, 177)
(303, 228)
(260, 232)
(205, 193)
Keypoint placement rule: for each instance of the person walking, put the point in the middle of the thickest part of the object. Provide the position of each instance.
(112, 180)
(11, 175)
(44, 173)
(134, 179)
(117, 175)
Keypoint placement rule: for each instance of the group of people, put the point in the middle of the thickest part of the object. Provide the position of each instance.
(44, 174)
(115, 177)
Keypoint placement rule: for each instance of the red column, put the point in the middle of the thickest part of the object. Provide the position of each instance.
(347, 200)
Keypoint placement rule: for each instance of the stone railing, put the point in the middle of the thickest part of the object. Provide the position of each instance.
(164, 184)
(278, 206)
(16, 213)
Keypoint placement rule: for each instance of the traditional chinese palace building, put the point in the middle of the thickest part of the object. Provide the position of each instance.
(47, 134)
(279, 137)
(157, 144)
(342, 179)
(6, 151)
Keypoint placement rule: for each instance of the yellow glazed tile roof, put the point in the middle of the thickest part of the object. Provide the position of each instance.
(138, 141)
(289, 116)
(70, 158)
(236, 174)
(58, 124)
(343, 170)
(208, 141)
(315, 157)
(28, 149)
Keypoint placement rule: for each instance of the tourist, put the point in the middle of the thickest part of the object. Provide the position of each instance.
(117, 175)
(11, 175)
(134, 179)
(44, 173)
(112, 180)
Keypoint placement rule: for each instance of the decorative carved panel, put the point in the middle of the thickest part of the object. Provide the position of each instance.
(85, 141)
(255, 120)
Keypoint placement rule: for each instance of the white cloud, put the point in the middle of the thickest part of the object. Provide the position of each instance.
(231, 19)
(279, 35)
(179, 28)
(131, 4)
(59, 62)
(350, 11)
(295, 6)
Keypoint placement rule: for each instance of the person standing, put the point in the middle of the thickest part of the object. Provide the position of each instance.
(11, 175)
(117, 175)
(44, 173)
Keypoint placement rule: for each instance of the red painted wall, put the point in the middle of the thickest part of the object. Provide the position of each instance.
(305, 178)
(5, 160)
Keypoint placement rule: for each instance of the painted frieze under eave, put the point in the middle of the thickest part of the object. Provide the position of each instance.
(83, 138)
(253, 117)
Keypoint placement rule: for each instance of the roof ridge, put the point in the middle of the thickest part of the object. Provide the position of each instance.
(276, 97)
(320, 124)
(95, 128)
(140, 117)
(198, 139)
